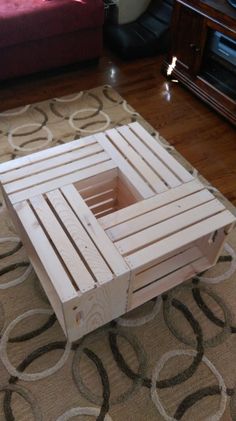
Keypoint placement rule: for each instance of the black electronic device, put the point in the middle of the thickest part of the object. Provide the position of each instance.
(219, 66)
(223, 46)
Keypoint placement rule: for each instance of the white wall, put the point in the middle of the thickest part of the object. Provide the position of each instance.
(129, 10)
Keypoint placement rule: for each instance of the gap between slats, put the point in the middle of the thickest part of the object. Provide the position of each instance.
(167, 267)
(51, 163)
(161, 152)
(137, 169)
(136, 183)
(88, 251)
(167, 228)
(152, 203)
(161, 214)
(158, 166)
(77, 177)
(72, 259)
(75, 286)
(87, 232)
(110, 254)
(52, 174)
(167, 282)
(45, 154)
(155, 251)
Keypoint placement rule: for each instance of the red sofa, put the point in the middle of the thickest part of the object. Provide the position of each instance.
(37, 35)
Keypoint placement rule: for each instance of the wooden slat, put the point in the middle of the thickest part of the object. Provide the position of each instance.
(49, 163)
(98, 188)
(132, 177)
(63, 245)
(136, 161)
(86, 186)
(103, 205)
(45, 154)
(148, 205)
(91, 225)
(163, 229)
(77, 176)
(168, 159)
(59, 278)
(39, 268)
(161, 169)
(80, 237)
(96, 199)
(104, 212)
(168, 282)
(158, 215)
(153, 252)
(167, 266)
(56, 172)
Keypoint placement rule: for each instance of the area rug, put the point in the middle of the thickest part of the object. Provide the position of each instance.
(171, 359)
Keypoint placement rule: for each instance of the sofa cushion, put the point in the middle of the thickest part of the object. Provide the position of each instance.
(24, 20)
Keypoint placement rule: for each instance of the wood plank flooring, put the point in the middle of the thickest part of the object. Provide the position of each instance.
(202, 136)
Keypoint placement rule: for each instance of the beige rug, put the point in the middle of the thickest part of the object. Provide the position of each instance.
(171, 359)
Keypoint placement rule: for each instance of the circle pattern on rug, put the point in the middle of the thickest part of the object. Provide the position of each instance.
(84, 128)
(29, 376)
(155, 376)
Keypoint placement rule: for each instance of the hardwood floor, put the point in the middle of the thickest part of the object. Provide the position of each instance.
(202, 136)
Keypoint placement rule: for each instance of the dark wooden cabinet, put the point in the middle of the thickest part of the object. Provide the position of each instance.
(193, 24)
(186, 42)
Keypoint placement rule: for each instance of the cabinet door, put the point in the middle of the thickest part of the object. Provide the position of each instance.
(188, 37)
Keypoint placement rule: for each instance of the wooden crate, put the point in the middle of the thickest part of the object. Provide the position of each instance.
(110, 221)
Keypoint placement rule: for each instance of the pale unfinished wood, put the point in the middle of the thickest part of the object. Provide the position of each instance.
(55, 161)
(45, 154)
(155, 202)
(96, 308)
(62, 244)
(49, 285)
(56, 183)
(125, 196)
(100, 198)
(94, 192)
(89, 184)
(59, 278)
(168, 282)
(56, 172)
(91, 190)
(153, 162)
(162, 154)
(156, 216)
(136, 161)
(109, 222)
(167, 266)
(104, 212)
(106, 247)
(164, 229)
(134, 179)
(103, 206)
(80, 237)
(149, 254)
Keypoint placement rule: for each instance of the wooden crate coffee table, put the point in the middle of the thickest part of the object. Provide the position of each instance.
(110, 221)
